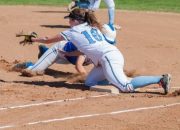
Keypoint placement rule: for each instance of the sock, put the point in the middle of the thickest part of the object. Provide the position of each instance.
(111, 15)
(142, 81)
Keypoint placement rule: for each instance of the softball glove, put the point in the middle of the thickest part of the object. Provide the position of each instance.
(27, 37)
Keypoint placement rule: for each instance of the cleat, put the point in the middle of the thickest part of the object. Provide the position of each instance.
(165, 83)
(30, 73)
(117, 27)
(21, 66)
(42, 50)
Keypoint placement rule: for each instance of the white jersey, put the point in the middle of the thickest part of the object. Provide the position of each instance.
(89, 40)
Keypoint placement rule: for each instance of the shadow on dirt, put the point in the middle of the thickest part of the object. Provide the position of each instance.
(151, 93)
(56, 84)
(55, 26)
(64, 84)
(2, 81)
(56, 73)
(49, 11)
(175, 93)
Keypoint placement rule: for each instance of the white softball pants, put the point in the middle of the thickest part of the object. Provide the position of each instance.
(94, 4)
(49, 57)
(110, 68)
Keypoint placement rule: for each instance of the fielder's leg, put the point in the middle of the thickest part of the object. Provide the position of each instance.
(111, 10)
(112, 64)
(94, 4)
(96, 75)
(113, 69)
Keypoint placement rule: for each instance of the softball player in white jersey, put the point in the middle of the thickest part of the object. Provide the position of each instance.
(108, 60)
(48, 56)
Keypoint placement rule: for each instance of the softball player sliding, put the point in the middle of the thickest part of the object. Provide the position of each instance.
(108, 61)
(95, 4)
(51, 55)
(48, 56)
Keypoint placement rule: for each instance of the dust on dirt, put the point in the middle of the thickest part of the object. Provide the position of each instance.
(8, 66)
(175, 93)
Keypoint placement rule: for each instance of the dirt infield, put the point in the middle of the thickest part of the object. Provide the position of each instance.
(150, 43)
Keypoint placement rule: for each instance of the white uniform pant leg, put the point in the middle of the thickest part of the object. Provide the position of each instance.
(94, 4)
(48, 58)
(95, 76)
(111, 10)
(110, 3)
(113, 63)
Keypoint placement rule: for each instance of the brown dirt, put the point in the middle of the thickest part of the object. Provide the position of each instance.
(175, 93)
(150, 44)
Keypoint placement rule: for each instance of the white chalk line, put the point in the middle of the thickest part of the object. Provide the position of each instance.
(51, 102)
(8, 126)
(59, 101)
(92, 115)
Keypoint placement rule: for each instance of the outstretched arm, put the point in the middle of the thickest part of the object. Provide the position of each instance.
(48, 40)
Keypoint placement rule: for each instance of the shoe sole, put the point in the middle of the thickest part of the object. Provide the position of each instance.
(166, 90)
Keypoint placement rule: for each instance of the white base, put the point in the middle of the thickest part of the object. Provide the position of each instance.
(107, 88)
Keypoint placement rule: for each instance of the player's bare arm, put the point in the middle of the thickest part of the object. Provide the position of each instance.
(79, 65)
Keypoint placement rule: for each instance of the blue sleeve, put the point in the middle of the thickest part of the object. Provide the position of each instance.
(69, 47)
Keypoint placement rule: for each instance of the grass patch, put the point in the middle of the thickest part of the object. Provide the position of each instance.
(149, 5)
(35, 2)
(144, 5)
